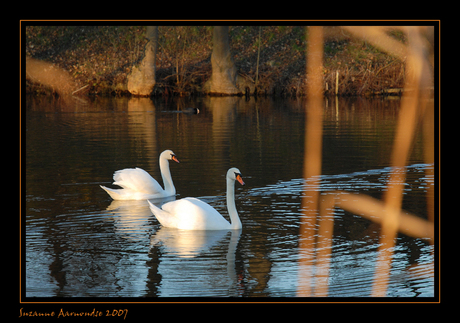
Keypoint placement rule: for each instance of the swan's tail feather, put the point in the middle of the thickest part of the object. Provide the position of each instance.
(155, 209)
(114, 193)
(160, 214)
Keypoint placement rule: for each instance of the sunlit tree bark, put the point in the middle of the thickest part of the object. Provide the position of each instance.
(141, 81)
(224, 74)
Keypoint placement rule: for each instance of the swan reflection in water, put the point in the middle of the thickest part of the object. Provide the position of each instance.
(192, 262)
(132, 217)
(192, 243)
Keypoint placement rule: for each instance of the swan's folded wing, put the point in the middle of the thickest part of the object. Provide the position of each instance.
(193, 214)
(136, 179)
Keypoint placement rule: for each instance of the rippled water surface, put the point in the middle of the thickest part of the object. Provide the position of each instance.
(80, 243)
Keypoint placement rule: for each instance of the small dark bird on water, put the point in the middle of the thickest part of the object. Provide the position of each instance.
(186, 111)
(191, 110)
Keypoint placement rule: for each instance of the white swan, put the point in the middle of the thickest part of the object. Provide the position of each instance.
(139, 185)
(193, 214)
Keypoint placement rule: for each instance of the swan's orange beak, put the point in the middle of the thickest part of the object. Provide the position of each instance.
(239, 179)
(173, 157)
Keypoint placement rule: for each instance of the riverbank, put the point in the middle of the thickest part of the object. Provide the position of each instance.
(101, 57)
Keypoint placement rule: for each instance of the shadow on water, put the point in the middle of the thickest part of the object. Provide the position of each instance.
(81, 243)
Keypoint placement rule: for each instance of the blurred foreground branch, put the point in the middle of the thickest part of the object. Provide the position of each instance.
(49, 75)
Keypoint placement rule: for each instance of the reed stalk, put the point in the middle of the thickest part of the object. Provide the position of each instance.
(388, 213)
(258, 56)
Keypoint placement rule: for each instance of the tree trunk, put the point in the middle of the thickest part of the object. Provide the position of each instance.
(141, 81)
(224, 74)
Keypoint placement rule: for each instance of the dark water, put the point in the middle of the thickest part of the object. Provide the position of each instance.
(78, 242)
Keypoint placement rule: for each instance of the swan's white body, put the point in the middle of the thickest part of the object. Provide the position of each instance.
(139, 185)
(193, 214)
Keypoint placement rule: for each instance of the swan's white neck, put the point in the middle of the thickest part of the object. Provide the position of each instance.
(231, 207)
(166, 175)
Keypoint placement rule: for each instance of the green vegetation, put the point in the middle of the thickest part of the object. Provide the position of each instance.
(103, 56)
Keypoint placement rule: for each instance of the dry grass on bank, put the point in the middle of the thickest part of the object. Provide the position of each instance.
(103, 56)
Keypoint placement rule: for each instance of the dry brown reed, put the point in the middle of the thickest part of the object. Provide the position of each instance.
(415, 106)
(312, 161)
